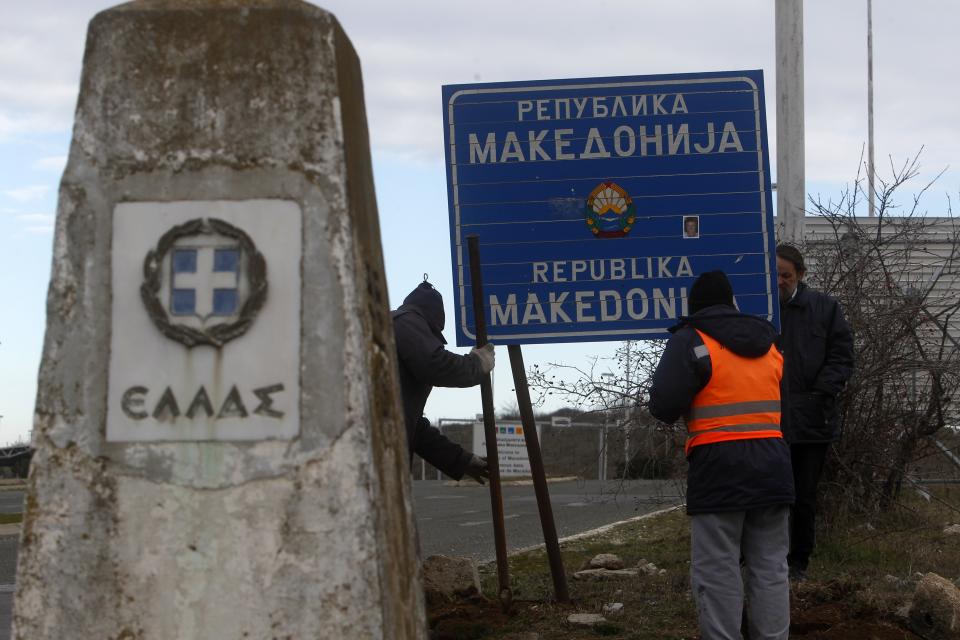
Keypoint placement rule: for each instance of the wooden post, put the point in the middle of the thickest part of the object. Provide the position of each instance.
(489, 430)
(538, 473)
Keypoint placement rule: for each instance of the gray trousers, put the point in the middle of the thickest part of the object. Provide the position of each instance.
(717, 541)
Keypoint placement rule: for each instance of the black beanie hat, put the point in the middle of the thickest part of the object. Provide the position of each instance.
(710, 288)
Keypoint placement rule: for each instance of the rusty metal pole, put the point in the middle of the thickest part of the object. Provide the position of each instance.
(538, 473)
(489, 430)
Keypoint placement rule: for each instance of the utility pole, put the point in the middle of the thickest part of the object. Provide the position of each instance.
(791, 190)
(628, 417)
(870, 166)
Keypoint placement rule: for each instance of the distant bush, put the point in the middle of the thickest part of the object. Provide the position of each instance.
(646, 467)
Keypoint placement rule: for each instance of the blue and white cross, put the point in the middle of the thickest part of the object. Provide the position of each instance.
(205, 281)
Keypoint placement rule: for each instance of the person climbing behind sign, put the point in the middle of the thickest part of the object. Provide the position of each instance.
(426, 363)
(721, 370)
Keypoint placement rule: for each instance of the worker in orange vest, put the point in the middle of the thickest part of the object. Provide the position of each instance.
(721, 370)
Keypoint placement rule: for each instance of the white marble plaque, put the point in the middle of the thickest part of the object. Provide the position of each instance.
(205, 341)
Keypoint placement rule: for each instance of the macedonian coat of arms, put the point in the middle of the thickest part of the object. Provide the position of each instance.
(610, 211)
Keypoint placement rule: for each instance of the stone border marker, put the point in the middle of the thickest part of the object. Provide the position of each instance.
(219, 442)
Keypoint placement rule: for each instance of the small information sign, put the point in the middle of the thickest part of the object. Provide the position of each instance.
(511, 447)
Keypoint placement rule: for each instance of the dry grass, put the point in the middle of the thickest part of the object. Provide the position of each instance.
(11, 518)
(658, 606)
(866, 567)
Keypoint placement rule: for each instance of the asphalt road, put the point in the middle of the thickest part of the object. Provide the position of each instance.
(6, 612)
(11, 501)
(8, 569)
(456, 520)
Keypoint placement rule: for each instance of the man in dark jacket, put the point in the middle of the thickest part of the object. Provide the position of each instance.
(818, 361)
(424, 364)
(722, 371)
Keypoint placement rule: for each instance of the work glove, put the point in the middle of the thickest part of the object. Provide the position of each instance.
(477, 469)
(486, 356)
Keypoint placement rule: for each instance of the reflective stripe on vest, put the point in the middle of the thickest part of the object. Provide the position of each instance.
(740, 402)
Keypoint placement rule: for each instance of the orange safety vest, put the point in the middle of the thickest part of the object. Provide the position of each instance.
(740, 402)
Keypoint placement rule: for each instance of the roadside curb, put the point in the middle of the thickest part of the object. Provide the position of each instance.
(526, 482)
(599, 530)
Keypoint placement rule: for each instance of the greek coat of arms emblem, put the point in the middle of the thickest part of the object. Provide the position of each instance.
(204, 283)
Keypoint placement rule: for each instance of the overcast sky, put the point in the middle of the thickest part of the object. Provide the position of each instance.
(408, 50)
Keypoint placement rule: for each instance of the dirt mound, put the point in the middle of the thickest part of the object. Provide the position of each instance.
(834, 621)
(465, 619)
(840, 609)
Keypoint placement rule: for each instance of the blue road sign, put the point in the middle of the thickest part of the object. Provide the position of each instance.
(599, 201)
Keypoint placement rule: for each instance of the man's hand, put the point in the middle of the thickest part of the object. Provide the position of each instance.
(477, 469)
(486, 356)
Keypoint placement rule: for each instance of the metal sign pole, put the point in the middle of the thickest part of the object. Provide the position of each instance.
(489, 430)
(538, 473)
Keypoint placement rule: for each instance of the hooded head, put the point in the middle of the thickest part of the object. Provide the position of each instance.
(709, 289)
(429, 303)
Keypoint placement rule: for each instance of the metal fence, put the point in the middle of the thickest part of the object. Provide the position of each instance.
(581, 449)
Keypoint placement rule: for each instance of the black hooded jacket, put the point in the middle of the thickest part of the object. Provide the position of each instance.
(723, 476)
(424, 364)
